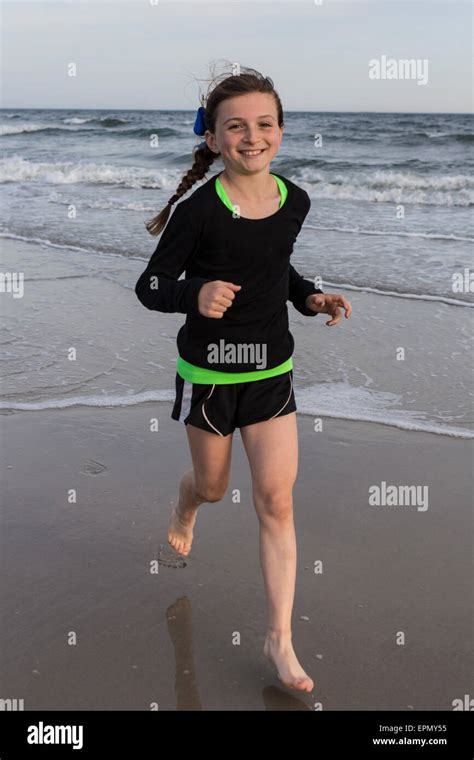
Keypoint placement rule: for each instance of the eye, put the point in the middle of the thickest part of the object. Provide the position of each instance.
(264, 124)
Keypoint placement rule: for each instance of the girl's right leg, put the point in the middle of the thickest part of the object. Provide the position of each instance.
(207, 481)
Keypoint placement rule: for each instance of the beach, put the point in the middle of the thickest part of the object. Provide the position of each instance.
(99, 612)
(169, 637)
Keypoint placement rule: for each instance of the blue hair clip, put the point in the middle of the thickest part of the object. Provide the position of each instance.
(200, 125)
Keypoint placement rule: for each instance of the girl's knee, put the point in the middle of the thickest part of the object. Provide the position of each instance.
(211, 491)
(273, 503)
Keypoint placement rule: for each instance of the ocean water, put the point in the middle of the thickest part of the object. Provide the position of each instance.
(390, 227)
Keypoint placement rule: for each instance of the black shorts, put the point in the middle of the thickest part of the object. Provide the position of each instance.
(221, 408)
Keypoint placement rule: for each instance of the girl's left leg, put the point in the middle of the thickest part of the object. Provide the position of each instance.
(272, 451)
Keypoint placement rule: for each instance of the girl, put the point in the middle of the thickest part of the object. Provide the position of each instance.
(233, 237)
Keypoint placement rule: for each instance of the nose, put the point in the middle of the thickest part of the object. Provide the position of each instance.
(250, 135)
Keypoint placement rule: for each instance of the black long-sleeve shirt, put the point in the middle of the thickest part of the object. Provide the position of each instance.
(206, 241)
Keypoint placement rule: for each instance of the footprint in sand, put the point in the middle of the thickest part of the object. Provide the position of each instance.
(170, 559)
(91, 467)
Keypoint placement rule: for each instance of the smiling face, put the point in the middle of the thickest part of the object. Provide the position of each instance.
(247, 133)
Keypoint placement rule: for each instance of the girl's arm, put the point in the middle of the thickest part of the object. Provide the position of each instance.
(298, 291)
(158, 286)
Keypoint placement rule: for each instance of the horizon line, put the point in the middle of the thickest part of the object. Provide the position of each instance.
(192, 110)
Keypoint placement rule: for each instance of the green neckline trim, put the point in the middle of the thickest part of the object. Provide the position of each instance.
(203, 376)
(227, 202)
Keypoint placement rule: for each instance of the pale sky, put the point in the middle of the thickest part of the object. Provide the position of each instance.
(148, 54)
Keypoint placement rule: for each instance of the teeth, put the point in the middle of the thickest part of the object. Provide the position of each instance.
(250, 152)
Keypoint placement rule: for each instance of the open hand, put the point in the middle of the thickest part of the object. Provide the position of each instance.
(329, 303)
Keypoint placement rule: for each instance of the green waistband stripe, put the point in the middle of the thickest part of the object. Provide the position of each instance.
(203, 376)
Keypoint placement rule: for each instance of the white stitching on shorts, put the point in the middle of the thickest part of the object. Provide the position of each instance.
(205, 415)
(286, 402)
(186, 396)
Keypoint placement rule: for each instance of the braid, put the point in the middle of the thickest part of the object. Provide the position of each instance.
(203, 158)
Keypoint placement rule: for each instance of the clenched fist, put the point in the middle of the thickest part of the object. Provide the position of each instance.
(215, 298)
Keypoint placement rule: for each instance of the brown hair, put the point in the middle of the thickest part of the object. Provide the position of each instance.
(231, 86)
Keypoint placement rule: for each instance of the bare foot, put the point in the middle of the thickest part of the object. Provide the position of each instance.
(180, 527)
(180, 530)
(290, 672)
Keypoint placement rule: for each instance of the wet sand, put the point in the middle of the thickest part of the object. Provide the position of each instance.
(166, 639)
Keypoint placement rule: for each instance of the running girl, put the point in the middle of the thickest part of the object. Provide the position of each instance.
(233, 238)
